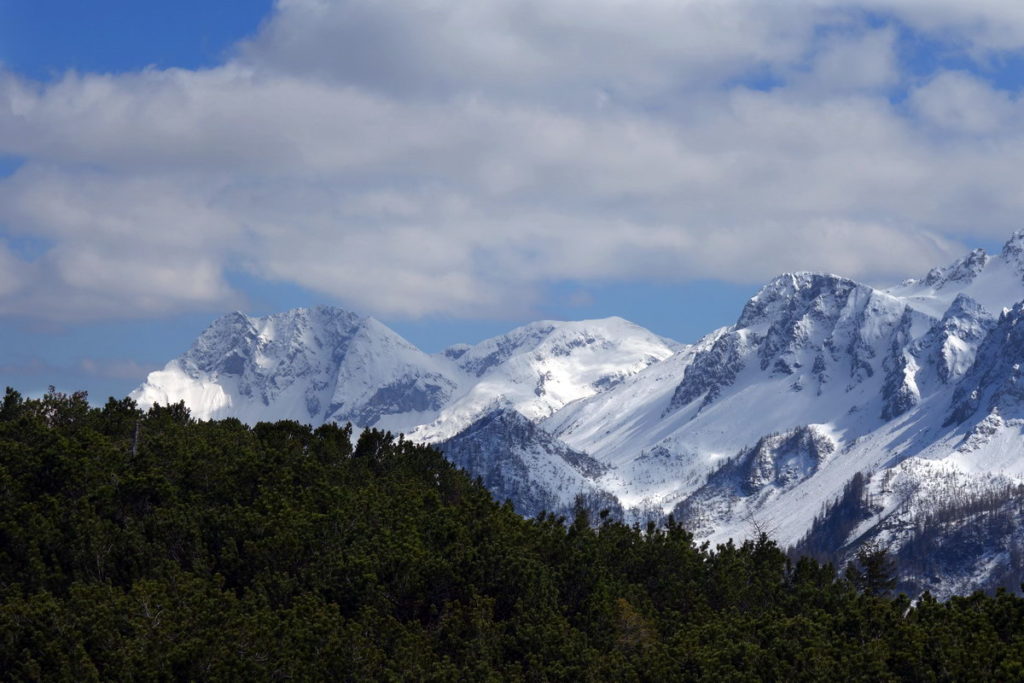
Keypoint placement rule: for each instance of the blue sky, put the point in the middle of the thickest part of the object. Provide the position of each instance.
(457, 169)
(42, 39)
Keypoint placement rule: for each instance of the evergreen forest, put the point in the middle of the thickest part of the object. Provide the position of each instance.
(147, 545)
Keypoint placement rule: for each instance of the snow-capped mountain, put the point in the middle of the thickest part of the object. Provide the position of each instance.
(327, 364)
(993, 280)
(539, 368)
(314, 366)
(830, 414)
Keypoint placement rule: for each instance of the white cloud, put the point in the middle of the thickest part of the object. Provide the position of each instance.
(12, 273)
(503, 47)
(956, 102)
(415, 157)
(123, 244)
(864, 60)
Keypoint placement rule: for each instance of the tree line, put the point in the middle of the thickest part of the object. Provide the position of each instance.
(149, 545)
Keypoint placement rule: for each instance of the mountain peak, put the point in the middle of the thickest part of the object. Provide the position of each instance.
(1014, 246)
(962, 271)
(965, 306)
(787, 292)
(561, 339)
(994, 281)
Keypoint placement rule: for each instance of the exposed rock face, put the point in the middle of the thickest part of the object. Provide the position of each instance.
(520, 462)
(955, 338)
(962, 272)
(816, 329)
(995, 380)
(900, 392)
(776, 463)
(710, 372)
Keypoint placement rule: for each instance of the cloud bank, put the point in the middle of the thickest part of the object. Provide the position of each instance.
(412, 157)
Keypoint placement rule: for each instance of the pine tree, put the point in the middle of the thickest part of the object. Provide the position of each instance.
(873, 571)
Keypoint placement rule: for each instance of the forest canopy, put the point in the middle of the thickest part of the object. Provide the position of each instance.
(147, 544)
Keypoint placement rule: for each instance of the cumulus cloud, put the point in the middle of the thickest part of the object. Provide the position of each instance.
(857, 61)
(515, 47)
(122, 245)
(959, 103)
(440, 157)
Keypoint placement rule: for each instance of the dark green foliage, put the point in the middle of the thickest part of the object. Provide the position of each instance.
(872, 571)
(152, 546)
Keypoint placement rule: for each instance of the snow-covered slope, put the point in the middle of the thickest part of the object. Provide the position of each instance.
(822, 381)
(807, 349)
(541, 367)
(918, 385)
(995, 281)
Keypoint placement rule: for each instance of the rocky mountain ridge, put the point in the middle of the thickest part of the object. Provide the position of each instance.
(914, 390)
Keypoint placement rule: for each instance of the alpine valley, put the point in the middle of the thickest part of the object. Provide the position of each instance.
(831, 415)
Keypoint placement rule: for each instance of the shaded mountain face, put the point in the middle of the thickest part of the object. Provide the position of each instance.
(994, 384)
(741, 486)
(913, 391)
(520, 462)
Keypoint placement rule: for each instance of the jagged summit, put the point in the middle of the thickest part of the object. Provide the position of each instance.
(962, 271)
(964, 306)
(311, 365)
(996, 282)
(1013, 249)
(814, 331)
(789, 291)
